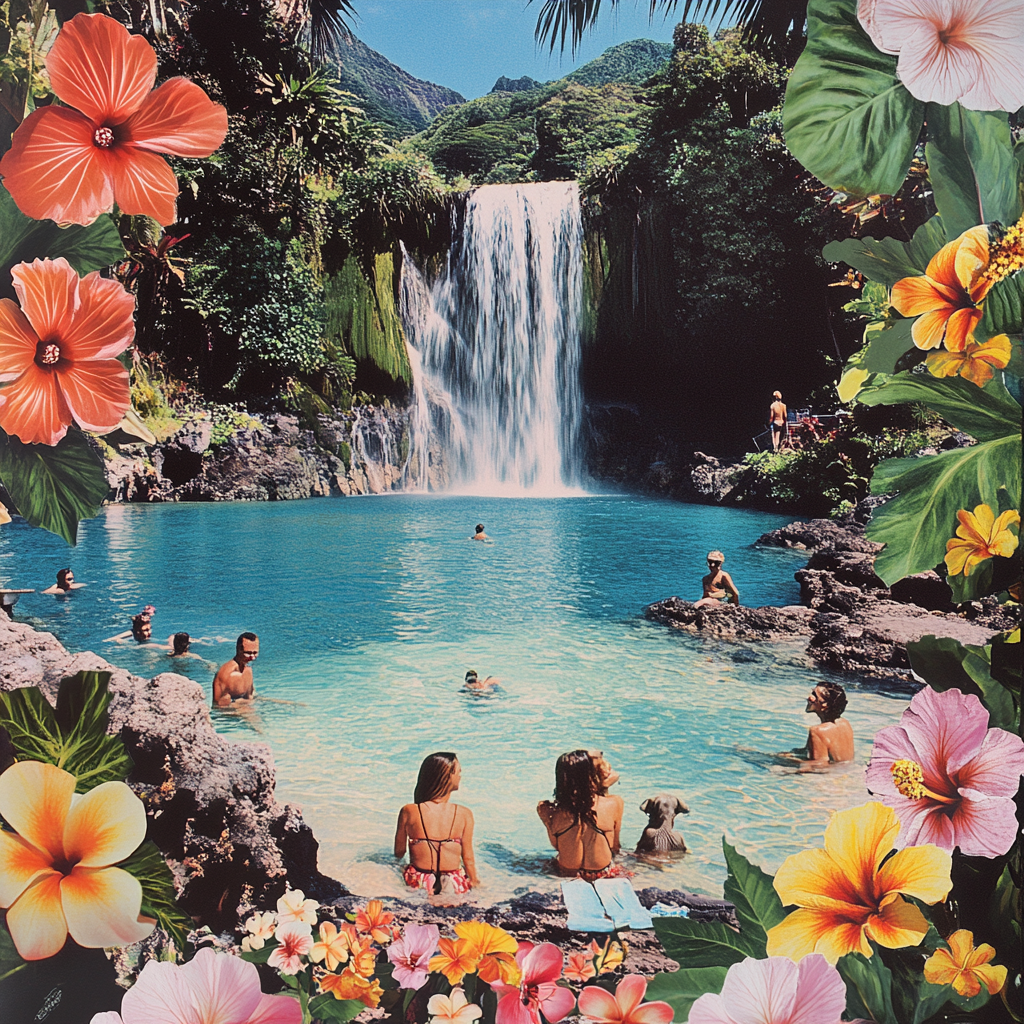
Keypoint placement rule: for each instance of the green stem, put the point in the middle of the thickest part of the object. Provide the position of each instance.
(307, 1017)
(13, 970)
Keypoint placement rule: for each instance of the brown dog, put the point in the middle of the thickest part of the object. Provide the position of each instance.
(658, 837)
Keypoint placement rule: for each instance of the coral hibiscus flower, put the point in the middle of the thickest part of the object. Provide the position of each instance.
(775, 991)
(458, 957)
(975, 362)
(966, 51)
(946, 298)
(627, 1006)
(55, 873)
(847, 896)
(980, 536)
(375, 922)
(58, 351)
(72, 165)
(540, 968)
(948, 776)
(964, 967)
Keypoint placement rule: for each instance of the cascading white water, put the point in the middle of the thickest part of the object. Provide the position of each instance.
(496, 345)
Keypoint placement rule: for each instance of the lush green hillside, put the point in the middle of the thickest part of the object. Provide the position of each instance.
(632, 62)
(524, 84)
(388, 94)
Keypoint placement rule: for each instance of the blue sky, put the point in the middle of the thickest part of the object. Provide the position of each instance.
(468, 44)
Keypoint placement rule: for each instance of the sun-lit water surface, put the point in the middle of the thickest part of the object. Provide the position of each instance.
(370, 611)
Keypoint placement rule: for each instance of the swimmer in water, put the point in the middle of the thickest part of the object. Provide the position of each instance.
(831, 740)
(477, 685)
(141, 631)
(65, 583)
(718, 584)
(233, 680)
(478, 534)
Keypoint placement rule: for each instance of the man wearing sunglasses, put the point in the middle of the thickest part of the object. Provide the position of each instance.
(718, 584)
(233, 680)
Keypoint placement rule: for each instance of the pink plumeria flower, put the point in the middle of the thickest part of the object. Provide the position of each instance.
(212, 988)
(949, 777)
(580, 967)
(453, 1009)
(537, 993)
(627, 1006)
(260, 928)
(411, 955)
(295, 940)
(775, 991)
(293, 906)
(966, 51)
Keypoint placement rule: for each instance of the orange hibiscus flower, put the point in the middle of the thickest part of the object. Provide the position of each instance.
(72, 165)
(980, 536)
(375, 922)
(458, 957)
(58, 351)
(974, 362)
(847, 896)
(946, 299)
(965, 967)
(349, 985)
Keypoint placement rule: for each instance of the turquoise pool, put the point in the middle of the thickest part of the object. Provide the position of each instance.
(370, 610)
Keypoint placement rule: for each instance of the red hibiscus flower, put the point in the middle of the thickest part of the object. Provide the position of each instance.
(58, 351)
(72, 165)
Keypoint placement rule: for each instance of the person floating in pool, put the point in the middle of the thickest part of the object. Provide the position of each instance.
(65, 583)
(233, 680)
(831, 740)
(582, 822)
(478, 534)
(141, 631)
(718, 584)
(477, 685)
(438, 833)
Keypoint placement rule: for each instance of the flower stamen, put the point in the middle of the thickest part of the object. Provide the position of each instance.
(1006, 256)
(48, 353)
(909, 780)
(103, 137)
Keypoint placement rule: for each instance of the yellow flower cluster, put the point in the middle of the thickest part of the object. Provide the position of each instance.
(1006, 256)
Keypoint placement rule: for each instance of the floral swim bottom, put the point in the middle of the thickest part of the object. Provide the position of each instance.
(451, 881)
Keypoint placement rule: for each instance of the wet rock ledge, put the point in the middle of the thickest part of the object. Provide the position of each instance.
(852, 621)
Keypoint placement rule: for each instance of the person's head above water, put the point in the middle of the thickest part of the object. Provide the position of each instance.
(479, 528)
(777, 395)
(578, 782)
(65, 577)
(827, 700)
(715, 558)
(439, 775)
(180, 642)
(471, 676)
(247, 647)
(142, 628)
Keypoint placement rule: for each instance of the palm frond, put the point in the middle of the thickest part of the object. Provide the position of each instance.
(319, 25)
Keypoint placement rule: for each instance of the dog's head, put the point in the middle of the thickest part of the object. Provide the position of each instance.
(663, 808)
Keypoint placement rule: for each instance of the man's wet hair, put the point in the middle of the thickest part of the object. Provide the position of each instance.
(834, 700)
(180, 642)
(479, 527)
(138, 621)
(245, 636)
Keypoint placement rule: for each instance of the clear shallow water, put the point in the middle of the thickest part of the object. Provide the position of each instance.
(371, 610)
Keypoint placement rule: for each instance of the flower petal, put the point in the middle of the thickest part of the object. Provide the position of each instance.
(654, 1012)
(997, 767)
(858, 839)
(97, 393)
(890, 23)
(940, 968)
(225, 989)
(34, 800)
(947, 729)
(845, 937)
(542, 964)
(17, 341)
(924, 821)
(984, 826)
(159, 996)
(21, 864)
(919, 871)
(144, 184)
(102, 907)
(107, 1017)
(276, 1010)
(630, 993)
(599, 1004)
(812, 879)
(36, 920)
(560, 1003)
(104, 826)
(912, 296)
(801, 931)
(48, 293)
(511, 1011)
(959, 328)
(104, 325)
(992, 976)
(761, 990)
(179, 118)
(820, 992)
(53, 171)
(929, 330)
(899, 924)
(33, 408)
(98, 67)
(709, 1009)
(936, 71)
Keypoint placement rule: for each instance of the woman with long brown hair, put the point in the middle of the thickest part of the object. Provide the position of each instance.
(583, 821)
(438, 833)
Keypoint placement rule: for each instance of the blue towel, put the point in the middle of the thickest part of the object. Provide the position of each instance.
(585, 911)
(665, 910)
(621, 904)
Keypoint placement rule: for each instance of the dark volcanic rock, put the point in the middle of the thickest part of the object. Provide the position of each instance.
(819, 533)
(733, 622)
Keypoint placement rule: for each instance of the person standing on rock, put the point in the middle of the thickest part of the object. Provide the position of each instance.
(233, 680)
(718, 584)
(777, 414)
(831, 740)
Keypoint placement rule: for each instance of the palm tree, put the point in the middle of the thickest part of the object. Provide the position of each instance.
(318, 24)
(768, 23)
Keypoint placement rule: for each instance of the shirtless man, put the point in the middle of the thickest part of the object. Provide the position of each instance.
(718, 584)
(233, 680)
(479, 534)
(832, 739)
(777, 420)
(65, 583)
(478, 685)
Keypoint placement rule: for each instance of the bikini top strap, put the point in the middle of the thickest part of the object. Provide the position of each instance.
(423, 824)
(454, 816)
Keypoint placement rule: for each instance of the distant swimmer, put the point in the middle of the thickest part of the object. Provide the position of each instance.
(718, 584)
(832, 739)
(233, 680)
(478, 534)
(65, 583)
(477, 685)
(141, 631)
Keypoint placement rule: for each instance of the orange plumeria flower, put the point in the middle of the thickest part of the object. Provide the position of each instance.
(56, 873)
(333, 947)
(847, 896)
(964, 967)
(349, 985)
(364, 956)
(974, 362)
(979, 536)
(58, 350)
(373, 921)
(71, 165)
(580, 967)
(946, 299)
(456, 959)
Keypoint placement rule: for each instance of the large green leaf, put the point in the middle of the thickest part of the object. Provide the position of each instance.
(885, 348)
(987, 414)
(928, 239)
(336, 1011)
(1003, 309)
(23, 240)
(868, 987)
(682, 988)
(54, 486)
(884, 260)
(752, 891)
(915, 525)
(703, 943)
(158, 897)
(971, 166)
(847, 117)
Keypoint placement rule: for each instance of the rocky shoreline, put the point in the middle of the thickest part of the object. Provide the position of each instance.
(853, 622)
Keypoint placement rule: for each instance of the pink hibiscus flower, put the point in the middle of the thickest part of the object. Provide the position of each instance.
(948, 776)
(536, 993)
(411, 955)
(626, 1006)
(212, 988)
(775, 991)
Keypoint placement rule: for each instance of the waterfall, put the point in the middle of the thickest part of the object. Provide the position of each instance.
(495, 345)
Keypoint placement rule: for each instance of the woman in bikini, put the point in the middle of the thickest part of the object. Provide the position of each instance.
(583, 822)
(439, 834)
